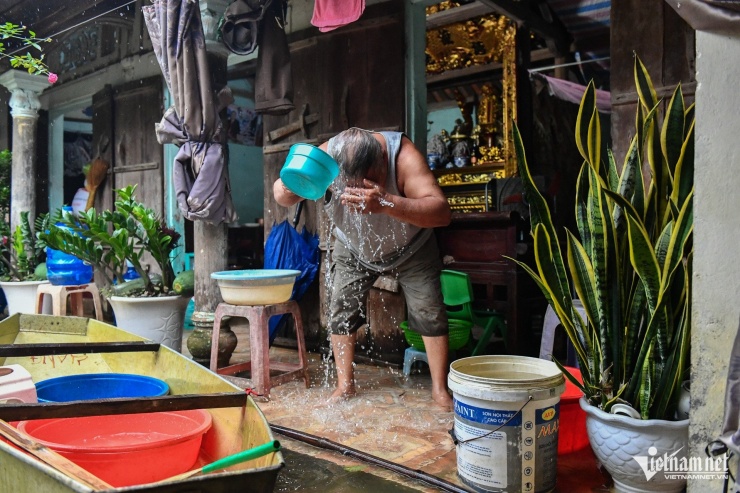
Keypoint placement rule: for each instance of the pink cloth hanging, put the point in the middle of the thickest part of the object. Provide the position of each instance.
(331, 14)
(570, 91)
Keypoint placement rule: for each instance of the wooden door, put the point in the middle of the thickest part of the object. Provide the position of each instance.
(102, 136)
(353, 76)
(123, 134)
(123, 129)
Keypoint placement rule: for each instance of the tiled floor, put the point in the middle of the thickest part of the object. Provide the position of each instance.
(392, 418)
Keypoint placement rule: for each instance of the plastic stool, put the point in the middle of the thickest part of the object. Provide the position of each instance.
(457, 292)
(410, 356)
(75, 293)
(548, 334)
(259, 345)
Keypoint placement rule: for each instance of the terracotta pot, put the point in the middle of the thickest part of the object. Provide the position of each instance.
(157, 318)
(619, 442)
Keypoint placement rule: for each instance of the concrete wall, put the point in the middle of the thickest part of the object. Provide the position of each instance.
(716, 303)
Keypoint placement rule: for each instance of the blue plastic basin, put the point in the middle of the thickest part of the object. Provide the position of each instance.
(308, 171)
(99, 386)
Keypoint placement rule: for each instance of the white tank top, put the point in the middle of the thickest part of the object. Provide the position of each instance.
(378, 241)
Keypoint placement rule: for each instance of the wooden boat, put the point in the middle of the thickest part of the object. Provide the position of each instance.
(49, 346)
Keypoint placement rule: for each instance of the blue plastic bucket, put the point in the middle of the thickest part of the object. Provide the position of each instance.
(99, 386)
(308, 171)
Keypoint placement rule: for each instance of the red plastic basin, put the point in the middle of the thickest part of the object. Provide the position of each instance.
(126, 449)
(572, 433)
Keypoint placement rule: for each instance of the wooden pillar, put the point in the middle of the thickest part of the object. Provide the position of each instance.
(210, 241)
(24, 104)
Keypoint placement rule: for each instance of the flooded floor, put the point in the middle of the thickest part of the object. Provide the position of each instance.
(392, 418)
(310, 474)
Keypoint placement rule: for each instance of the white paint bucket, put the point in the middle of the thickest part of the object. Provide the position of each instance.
(506, 422)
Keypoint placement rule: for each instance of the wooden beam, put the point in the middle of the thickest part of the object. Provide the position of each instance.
(54, 459)
(557, 37)
(49, 349)
(463, 73)
(75, 409)
(458, 14)
(663, 92)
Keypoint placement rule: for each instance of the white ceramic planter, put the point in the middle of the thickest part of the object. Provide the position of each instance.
(158, 318)
(21, 297)
(618, 440)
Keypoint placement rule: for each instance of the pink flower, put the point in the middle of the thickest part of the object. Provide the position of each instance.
(53, 77)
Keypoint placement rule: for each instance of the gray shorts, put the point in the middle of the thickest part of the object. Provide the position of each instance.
(419, 281)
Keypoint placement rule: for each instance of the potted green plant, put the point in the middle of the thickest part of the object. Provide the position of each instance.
(630, 265)
(22, 266)
(131, 234)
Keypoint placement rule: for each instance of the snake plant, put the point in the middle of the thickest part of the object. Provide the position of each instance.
(630, 260)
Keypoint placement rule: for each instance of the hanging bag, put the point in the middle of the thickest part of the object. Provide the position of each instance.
(241, 25)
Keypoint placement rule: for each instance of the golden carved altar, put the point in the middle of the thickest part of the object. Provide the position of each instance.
(477, 53)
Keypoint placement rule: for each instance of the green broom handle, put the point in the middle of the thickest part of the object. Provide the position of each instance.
(243, 456)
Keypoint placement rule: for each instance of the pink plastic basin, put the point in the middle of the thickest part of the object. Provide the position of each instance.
(572, 434)
(126, 449)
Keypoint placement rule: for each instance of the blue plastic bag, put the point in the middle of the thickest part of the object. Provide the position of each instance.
(286, 248)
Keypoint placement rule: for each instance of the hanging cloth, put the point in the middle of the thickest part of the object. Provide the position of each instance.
(241, 25)
(572, 92)
(712, 16)
(200, 169)
(331, 14)
(273, 82)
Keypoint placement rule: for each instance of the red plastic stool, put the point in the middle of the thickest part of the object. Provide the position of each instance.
(75, 293)
(572, 435)
(259, 345)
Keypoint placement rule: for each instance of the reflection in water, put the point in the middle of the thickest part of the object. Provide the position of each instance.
(312, 475)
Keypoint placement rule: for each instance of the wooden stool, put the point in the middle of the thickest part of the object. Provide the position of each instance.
(259, 345)
(75, 293)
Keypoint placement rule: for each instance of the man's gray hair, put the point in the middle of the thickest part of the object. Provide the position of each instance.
(357, 152)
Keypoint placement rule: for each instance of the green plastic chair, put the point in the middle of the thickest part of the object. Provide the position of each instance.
(457, 291)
